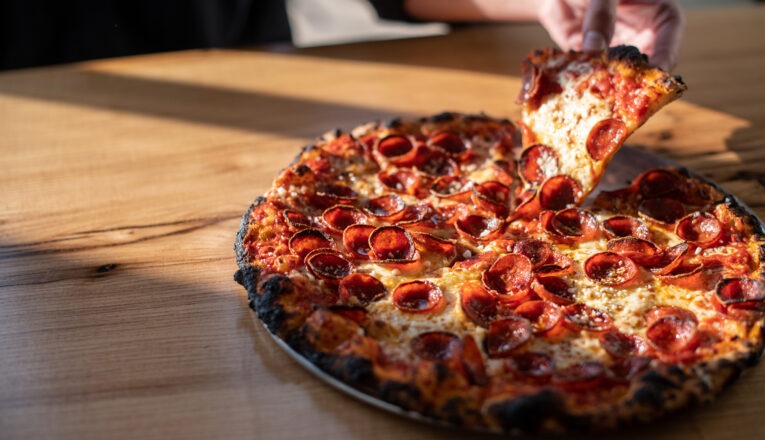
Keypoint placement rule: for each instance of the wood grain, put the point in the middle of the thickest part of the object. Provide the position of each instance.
(122, 186)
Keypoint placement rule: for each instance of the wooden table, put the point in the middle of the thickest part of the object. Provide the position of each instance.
(122, 185)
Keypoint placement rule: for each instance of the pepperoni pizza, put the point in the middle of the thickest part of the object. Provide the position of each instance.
(449, 267)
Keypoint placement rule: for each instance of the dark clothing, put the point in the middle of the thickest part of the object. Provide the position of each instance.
(41, 32)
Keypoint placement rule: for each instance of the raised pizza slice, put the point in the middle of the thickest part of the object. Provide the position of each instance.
(578, 109)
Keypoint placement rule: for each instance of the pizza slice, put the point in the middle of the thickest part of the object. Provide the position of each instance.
(578, 109)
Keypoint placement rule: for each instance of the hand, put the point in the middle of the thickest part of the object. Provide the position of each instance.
(653, 26)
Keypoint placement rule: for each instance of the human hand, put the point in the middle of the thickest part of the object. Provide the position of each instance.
(653, 26)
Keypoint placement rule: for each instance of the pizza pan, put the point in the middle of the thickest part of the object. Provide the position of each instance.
(626, 165)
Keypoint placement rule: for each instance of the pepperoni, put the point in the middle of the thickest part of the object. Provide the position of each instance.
(527, 208)
(478, 227)
(642, 252)
(510, 274)
(670, 329)
(658, 183)
(625, 226)
(671, 258)
(537, 251)
(452, 188)
(478, 304)
(394, 146)
(537, 163)
(399, 180)
(741, 293)
(662, 209)
(580, 376)
(690, 276)
(389, 207)
(361, 288)
(502, 174)
(427, 243)
(435, 162)
(506, 335)
(392, 243)
(605, 138)
(699, 228)
(559, 192)
(734, 259)
(472, 360)
(340, 217)
(619, 345)
(492, 196)
(583, 317)
(417, 296)
(308, 240)
(330, 194)
(296, 219)
(629, 367)
(554, 289)
(575, 222)
(447, 141)
(543, 315)
(530, 365)
(610, 269)
(356, 240)
(328, 264)
(436, 345)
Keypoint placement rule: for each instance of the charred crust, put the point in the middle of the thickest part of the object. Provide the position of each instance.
(401, 394)
(443, 117)
(302, 170)
(394, 123)
(267, 304)
(352, 370)
(629, 54)
(529, 413)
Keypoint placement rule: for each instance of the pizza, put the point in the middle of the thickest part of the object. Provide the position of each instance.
(454, 267)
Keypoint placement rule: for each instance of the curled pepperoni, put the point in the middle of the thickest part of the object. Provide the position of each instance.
(296, 219)
(435, 162)
(452, 188)
(361, 288)
(394, 146)
(356, 240)
(671, 258)
(620, 345)
(478, 304)
(392, 243)
(478, 227)
(537, 251)
(610, 269)
(427, 243)
(557, 264)
(307, 240)
(575, 222)
(642, 252)
(559, 192)
(436, 345)
(733, 258)
(741, 293)
(417, 296)
(510, 274)
(670, 329)
(662, 209)
(658, 183)
(543, 315)
(582, 375)
(493, 197)
(583, 317)
(387, 207)
(530, 365)
(399, 180)
(328, 264)
(626, 226)
(506, 335)
(553, 289)
(700, 228)
(537, 163)
(472, 360)
(605, 138)
(339, 217)
(330, 194)
(447, 141)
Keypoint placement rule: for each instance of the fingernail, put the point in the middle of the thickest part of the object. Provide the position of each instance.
(594, 41)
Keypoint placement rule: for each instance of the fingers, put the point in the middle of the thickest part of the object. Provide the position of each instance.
(669, 30)
(599, 24)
